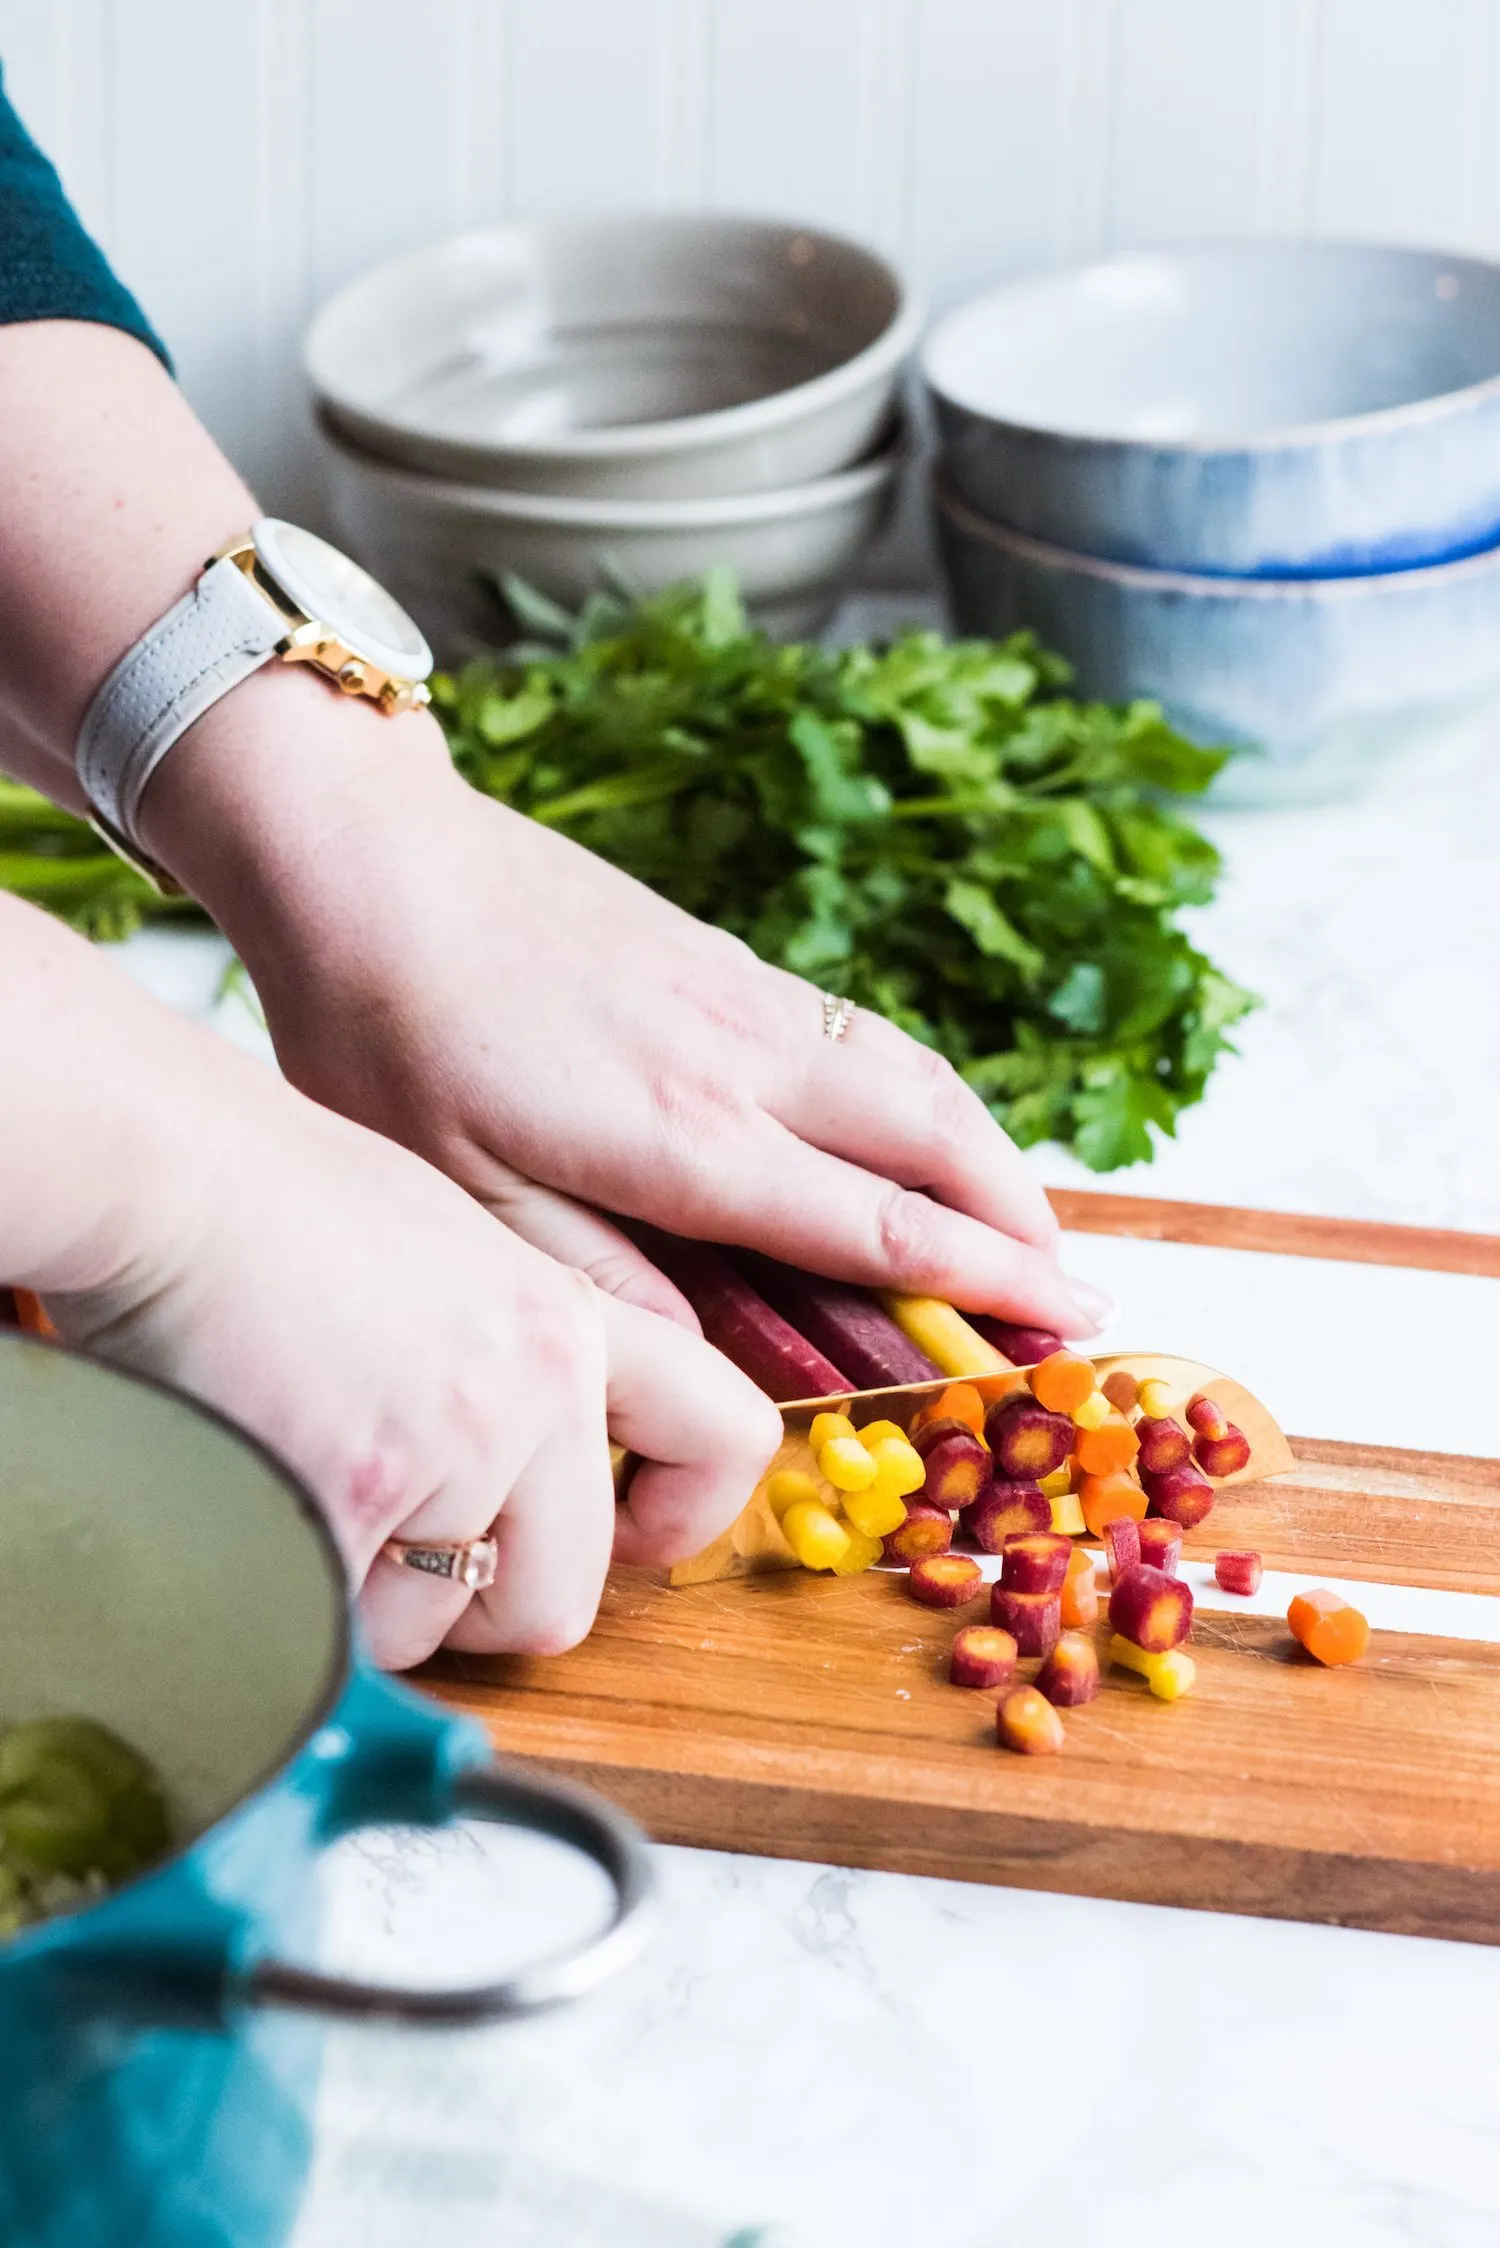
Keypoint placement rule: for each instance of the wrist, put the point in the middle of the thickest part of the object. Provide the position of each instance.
(104, 1129)
(265, 800)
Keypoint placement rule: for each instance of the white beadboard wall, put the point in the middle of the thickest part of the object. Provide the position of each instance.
(240, 158)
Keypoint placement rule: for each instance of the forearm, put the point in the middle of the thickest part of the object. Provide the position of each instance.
(115, 496)
(98, 1113)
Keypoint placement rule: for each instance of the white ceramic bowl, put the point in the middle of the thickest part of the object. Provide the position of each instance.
(637, 358)
(1273, 409)
(1313, 681)
(441, 547)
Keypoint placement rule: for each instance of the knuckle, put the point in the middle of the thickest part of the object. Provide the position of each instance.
(554, 1635)
(951, 1104)
(907, 1234)
(559, 1321)
(697, 1123)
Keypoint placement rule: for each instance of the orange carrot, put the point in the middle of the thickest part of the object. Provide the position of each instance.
(1062, 1382)
(1107, 1449)
(1105, 1497)
(1328, 1627)
(1080, 1594)
(32, 1316)
(960, 1401)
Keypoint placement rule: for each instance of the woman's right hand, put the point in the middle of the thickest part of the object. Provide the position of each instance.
(424, 1370)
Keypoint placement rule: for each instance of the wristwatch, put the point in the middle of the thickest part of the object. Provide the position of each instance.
(276, 590)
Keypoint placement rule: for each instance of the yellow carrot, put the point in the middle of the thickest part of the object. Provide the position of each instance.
(950, 1342)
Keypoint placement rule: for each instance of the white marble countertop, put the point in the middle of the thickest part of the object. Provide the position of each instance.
(856, 2060)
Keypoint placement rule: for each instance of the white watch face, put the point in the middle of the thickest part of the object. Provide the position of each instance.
(326, 585)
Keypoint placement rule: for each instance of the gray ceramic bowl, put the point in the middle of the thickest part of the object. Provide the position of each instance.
(639, 358)
(1314, 681)
(441, 547)
(1275, 409)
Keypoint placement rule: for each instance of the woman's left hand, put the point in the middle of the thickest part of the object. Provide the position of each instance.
(479, 988)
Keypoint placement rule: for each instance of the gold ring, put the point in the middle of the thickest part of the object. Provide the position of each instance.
(472, 1562)
(837, 1015)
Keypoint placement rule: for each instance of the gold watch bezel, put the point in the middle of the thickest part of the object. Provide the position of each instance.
(309, 641)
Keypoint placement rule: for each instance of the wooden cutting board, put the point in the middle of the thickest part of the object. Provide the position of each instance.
(808, 1717)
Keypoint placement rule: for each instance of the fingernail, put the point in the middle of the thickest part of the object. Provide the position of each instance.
(1094, 1308)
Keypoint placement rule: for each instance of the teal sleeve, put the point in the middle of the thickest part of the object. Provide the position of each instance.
(50, 269)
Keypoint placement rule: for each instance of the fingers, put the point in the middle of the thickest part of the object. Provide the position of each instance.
(537, 1477)
(702, 1431)
(826, 1215)
(576, 1235)
(879, 1099)
(554, 1532)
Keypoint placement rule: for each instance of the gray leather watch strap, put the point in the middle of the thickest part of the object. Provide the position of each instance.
(204, 645)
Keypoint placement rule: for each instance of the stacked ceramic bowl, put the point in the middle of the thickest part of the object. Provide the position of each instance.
(637, 399)
(1261, 484)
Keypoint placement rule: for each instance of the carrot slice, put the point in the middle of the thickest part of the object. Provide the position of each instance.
(1328, 1627)
(1107, 1449)
(1106, 1497)
(1063, 1381)
(960, 1401)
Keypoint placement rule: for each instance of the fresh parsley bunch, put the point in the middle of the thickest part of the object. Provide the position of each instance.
(933, 827)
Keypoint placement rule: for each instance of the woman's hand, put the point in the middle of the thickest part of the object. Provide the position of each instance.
(439, 968)
(488, 993)
(427, 1373)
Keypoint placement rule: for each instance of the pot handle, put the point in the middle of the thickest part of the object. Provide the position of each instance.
(568, 1814)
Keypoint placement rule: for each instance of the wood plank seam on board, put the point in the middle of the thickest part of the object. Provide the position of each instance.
(1209, 1875)
(1287, 1233)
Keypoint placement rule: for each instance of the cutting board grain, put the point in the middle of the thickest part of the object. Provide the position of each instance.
(806, 1717)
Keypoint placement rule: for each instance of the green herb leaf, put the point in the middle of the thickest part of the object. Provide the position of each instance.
(933, 825)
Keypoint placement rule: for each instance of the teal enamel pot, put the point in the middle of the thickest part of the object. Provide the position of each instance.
(161, 1572)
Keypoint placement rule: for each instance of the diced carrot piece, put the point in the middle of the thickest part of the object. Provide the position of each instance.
(1328, 1627)
(944, 1580)
(1107, 1449)
(1122, 1390)
(927, 1529)
(1105, 1497)
(1206, 1415)
(960, 1401)
(1063, 1381)
(1238, 1572)
(827, 1427)
(876, 1432)
(862, 1553)
(1169, 1675)
(1122, 1543)
(1067, 1513)
(1093, 1412)
(982, 1656)
(898, 1466)
(1081, 1562)
(1078, 1602)
(847, 1465)
(814, 1536)
(1026, 1721)
(874, 1513)
(789, 1486)
(1155, 1399)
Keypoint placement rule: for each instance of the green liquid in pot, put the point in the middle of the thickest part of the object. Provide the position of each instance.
(79, 1811)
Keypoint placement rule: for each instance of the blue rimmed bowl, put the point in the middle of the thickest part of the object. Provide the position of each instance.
(1315, 682)
(1276, 410)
